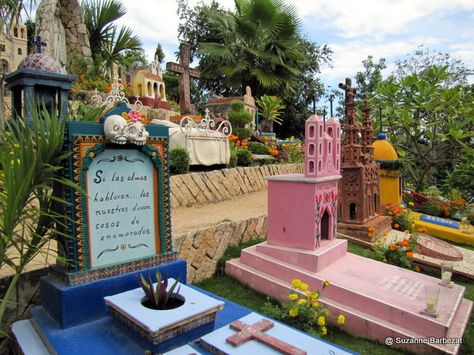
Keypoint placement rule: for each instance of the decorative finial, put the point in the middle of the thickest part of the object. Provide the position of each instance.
(39, 43)
(331, 99)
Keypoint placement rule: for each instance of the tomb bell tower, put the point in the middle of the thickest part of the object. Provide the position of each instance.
(322, 152)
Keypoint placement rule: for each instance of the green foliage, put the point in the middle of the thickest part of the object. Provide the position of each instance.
(233, 158)
(159, 54)
(179, 161)
(244, 157)
(269, 108)
(158, 298)
(399, 253)
(303, 310)
(427, 110)
(258, 148)
(368, 80)
(399, 216)
(83, 112)
(233, 251)
(197, 26)
(238, 117)
(30, 163)
(107, 41)
(256, 47)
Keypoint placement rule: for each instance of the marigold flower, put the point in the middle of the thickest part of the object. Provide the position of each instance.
(370, 234)
(411, 203)
(304, 286)
(393, 247)
(326, 284)
(371, 229)
(293, 296)
(302, 301)
(296, 283)
(409, 254)
(341, 319)
(315, 304)
(404, 243)
(293, 312)
(324, 330)
(321, 321)
(396, 226)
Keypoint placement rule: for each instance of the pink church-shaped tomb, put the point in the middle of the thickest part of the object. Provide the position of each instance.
(302, 209)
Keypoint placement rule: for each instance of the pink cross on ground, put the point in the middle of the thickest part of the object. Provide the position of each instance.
(256, 331)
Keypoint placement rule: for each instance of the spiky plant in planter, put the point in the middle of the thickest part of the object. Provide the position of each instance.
(161, 298)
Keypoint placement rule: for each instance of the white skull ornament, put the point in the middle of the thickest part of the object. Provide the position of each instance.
(114, 128)
(136, 133)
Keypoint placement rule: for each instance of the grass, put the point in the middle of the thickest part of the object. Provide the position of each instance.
(233, 290)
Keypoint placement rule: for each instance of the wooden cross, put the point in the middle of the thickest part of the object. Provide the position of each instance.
(350, 91)
(185, 73)
(256, 331)
(38, 43)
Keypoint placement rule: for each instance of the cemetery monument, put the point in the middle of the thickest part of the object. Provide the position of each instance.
(359, 190)
(379, 301)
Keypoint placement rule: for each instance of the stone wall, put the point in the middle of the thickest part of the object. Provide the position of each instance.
(203, 248)
(218, 185)
(60, 23)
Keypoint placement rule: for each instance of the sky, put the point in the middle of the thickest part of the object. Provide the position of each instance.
(391, 29)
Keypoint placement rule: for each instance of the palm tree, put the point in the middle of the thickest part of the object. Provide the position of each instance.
(106, 41)
(258, 46)
(270, 108)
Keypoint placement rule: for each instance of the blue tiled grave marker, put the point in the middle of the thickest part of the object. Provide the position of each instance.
(120, 221)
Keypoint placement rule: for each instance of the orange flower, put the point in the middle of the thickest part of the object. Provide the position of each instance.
(404, 243)
(393, 247)
(370, 235)
(371, 229)
(396, 226)
(409, 254)
(417, 268)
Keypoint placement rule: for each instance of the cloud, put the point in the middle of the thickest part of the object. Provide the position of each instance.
(348, 56)
(373, 18)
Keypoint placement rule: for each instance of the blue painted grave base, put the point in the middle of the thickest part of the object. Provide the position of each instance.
(106, 336)
(74, 305)
(91, 330)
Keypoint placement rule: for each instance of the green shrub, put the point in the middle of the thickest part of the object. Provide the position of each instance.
(238, 117)
(258, 148)
(242, 133)
(233, 158)
(244, 157)
(179, 161)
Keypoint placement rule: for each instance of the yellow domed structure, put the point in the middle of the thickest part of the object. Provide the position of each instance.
(390, 179)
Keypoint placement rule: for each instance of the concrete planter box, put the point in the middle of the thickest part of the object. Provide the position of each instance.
(160, 326)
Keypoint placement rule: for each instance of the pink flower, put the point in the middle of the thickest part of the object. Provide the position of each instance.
(135, 116)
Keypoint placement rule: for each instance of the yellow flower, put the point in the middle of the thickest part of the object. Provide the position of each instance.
(321, 321)
(341, 319)
(293, 296)
(293, 312)
(315, 304)
(324, 331)
(304, 286)
(411, 203)
(326, 284)
(296, 283)
(302, 301)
